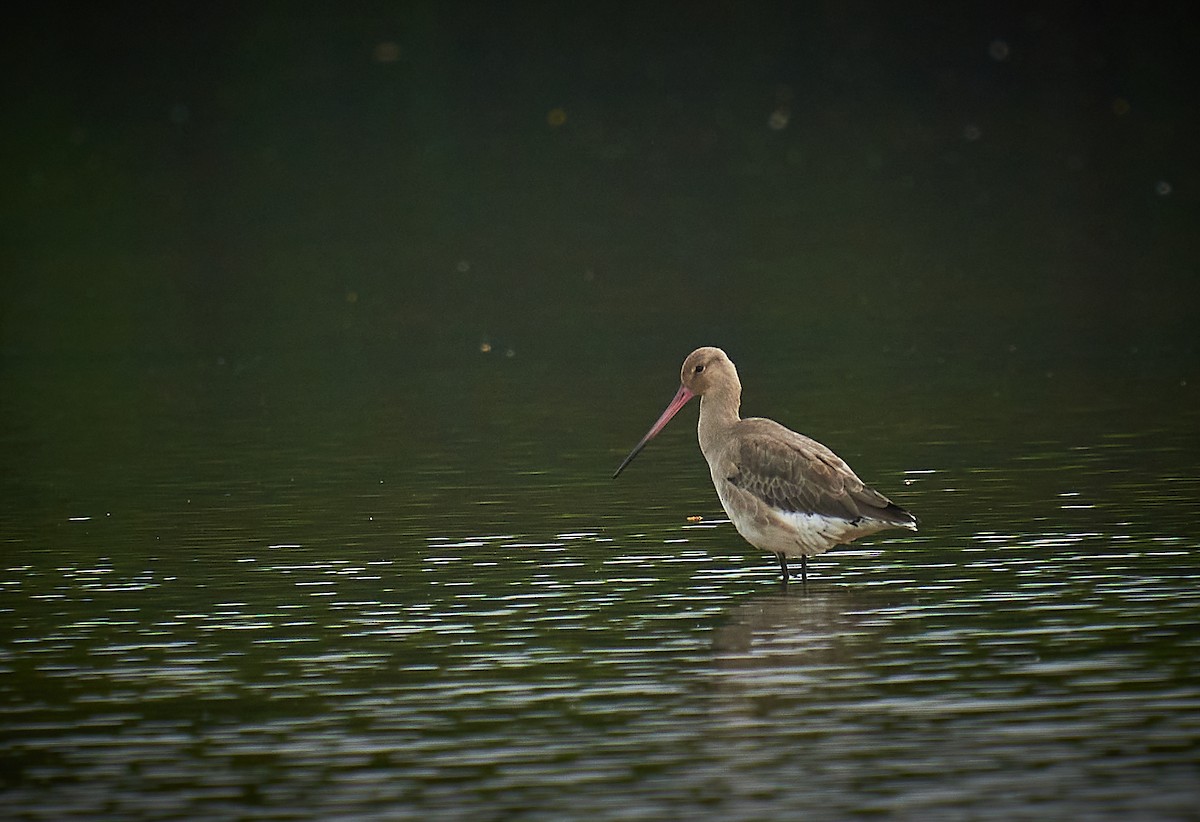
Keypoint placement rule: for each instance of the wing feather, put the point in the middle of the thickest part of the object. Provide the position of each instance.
(796, 474)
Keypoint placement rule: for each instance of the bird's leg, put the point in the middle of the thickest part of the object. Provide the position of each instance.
(803, 569)
(783, 569)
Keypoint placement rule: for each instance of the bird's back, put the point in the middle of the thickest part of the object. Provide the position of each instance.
(793, 473)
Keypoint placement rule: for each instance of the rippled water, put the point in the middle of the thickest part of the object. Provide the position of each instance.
(326, 633)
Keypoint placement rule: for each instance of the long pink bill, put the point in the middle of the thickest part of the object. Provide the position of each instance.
(681, 398)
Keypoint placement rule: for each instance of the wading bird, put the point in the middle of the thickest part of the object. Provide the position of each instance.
(784, 492)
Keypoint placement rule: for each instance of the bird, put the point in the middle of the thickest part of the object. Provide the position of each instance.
(785, 493)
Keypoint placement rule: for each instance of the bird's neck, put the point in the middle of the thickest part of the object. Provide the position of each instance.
(718, 411)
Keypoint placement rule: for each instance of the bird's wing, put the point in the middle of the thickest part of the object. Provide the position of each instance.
(793, 473)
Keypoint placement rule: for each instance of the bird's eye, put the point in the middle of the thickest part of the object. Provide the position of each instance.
(699, 368)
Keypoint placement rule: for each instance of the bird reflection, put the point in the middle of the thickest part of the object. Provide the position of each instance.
(827, 626)
(794, 668)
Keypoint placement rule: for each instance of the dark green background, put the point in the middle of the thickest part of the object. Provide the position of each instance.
(215, 181)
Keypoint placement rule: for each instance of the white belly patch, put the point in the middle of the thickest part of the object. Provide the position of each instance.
(796, 535)
(790, 533)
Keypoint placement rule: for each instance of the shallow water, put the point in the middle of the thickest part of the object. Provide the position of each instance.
(242, 627)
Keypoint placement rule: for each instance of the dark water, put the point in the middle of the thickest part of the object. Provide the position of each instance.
(276, 613)
(321, 337)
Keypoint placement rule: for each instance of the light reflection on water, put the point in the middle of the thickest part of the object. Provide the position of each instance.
(373, 632)
(650, 675)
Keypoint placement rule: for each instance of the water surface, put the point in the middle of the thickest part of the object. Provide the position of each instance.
(257, 620)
